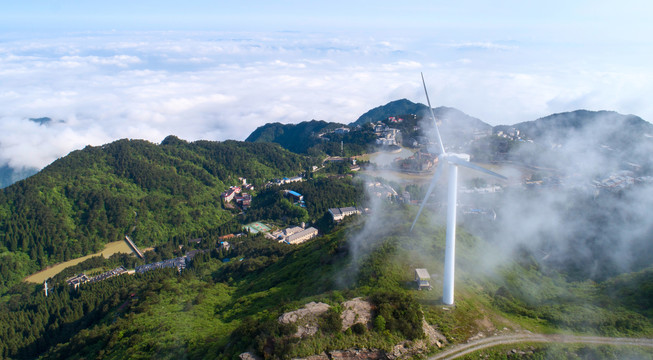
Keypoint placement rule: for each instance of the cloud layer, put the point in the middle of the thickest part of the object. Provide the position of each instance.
(98, 87)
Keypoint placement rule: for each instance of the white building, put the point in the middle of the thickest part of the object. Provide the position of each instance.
(340, 213)
(302, 236)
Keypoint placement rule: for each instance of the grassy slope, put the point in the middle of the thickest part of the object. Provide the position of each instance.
(171, 323)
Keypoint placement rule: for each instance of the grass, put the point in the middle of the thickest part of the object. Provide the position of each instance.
(181, 317)
(561, 351)
(110, 249)
(193, 315)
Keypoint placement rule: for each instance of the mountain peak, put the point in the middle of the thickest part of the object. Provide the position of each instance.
(393, 108)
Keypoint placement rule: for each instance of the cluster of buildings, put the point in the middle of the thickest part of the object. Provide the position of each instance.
(512, 134)
(340, 213)
(245, 186)
(398, 119)
(621, 180)
(297, 198)
(285, 180)
(382, 191)
(338, 131)
(234, 193)
(79, 279)
(385, 135)
(488, 189)
(418, 140)
(418, 162)
(294, 235)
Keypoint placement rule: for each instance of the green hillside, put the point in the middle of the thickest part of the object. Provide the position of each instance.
(316, 138)
(560, 279)
(219, 308)
(151, 192)
(393, 108)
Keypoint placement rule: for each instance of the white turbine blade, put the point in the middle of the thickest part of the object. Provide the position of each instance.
(468, 164)
(436, 175)
(437, 132)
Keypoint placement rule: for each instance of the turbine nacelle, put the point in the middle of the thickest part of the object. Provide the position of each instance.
(458, 157)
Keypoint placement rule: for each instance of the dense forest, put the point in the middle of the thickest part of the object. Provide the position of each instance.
(320, 194)
(151, 192)
(316, 138)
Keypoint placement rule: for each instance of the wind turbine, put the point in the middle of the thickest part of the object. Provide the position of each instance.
(453, 161)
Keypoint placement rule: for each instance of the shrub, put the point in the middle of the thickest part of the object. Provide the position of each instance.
(359, 328)
(330, 322)
(401, 313)
(379, 323)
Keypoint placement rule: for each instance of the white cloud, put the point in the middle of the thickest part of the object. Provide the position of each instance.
(487, 45)
(217, 86)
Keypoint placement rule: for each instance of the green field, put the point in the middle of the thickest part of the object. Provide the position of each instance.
(110, 249)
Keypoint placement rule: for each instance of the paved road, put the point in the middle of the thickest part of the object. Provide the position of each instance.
(464, 349)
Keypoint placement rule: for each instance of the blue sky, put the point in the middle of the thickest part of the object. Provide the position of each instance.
(217, 70)
(586, 19)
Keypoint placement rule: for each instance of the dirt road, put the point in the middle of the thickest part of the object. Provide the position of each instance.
(464, 349)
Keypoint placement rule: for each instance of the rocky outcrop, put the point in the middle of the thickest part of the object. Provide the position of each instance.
(358, 354)
(359, 311)
(356, 311)
(369, 354)
(305, 318)
(404, 350)
(433, 337)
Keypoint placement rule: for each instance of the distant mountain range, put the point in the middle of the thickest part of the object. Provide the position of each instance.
(583, 135)
(628, 136)
(622, 138)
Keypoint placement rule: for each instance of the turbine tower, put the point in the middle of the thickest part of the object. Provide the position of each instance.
(452, 161)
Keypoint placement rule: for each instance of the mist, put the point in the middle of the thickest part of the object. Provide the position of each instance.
(588, 215)
(103, 86)
(576, 202)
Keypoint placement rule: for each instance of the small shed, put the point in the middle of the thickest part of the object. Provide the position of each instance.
(422, 278)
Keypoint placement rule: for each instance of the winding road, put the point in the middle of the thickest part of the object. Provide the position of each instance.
(464, 349)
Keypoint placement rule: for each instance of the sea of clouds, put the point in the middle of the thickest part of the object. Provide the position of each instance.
(99, 87)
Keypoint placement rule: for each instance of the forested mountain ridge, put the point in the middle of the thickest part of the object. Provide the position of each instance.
(316, 138)
(623, 139)
(450, 117)
(556, 125)
(393, 108)
(320, 138)
(152, 192)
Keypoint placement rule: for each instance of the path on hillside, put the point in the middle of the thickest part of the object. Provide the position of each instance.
(464, 349)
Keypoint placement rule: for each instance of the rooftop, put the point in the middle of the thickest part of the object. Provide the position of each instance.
(423, 274)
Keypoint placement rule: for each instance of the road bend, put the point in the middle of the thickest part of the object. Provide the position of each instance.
(470, 347)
